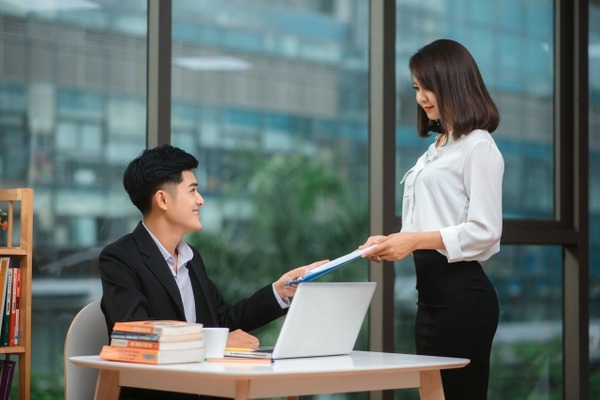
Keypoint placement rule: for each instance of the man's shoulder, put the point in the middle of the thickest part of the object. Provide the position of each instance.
(124, 244)
(135, 239)
(122, 241)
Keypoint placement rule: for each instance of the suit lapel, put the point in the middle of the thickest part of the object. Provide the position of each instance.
(205, 313)
(157, 264)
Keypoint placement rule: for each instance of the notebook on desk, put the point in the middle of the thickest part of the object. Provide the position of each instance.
(324, 319)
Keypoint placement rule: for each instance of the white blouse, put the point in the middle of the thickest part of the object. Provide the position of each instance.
(456, 189)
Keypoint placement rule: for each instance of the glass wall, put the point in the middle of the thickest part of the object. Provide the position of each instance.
(72, 113)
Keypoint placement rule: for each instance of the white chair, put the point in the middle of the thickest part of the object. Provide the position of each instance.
(86, 336)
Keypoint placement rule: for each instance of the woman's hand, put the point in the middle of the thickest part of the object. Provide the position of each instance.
(398, 246)
(372, 240)
(393, 247)
(285, 291)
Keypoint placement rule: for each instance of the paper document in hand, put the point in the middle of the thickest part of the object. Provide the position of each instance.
(330, 266)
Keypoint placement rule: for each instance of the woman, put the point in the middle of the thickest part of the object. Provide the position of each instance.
(452, 215)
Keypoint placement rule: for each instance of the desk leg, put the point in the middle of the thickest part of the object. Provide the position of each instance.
(242, 387)
(107, 386)
(431, 385)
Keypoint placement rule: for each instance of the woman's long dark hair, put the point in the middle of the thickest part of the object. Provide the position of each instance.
(446, 68)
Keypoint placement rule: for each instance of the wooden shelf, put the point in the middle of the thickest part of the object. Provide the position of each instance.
(20, 247)
(12, 350)
(12, 251)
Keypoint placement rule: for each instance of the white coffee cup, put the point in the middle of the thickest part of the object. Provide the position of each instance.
(215, 340)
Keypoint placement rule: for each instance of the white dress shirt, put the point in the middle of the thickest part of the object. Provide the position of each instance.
(456, 189)
(181, 274)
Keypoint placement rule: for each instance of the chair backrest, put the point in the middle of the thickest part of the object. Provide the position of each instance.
(86, 336)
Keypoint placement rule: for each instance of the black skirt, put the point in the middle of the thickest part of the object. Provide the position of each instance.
(457, 316)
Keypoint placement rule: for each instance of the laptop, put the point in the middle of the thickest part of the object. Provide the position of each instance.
(324, 319)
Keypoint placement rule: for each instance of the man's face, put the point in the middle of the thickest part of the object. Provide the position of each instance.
(184, 204)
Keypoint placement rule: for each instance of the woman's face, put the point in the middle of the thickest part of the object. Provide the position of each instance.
(427, 100)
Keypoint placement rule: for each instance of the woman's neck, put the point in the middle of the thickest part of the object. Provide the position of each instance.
(441, 140)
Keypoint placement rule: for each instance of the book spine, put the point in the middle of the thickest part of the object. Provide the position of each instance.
(134, 336)
(18, 307)
(6, 311)
(138, 344)
(4, 271)
(158, 327)
(136, 329)
(157, 345)
(13, 307)
(129, 355)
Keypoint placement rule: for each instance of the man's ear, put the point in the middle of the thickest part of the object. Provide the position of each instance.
(160, 198)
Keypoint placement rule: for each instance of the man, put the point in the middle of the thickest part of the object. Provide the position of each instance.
(152, 273)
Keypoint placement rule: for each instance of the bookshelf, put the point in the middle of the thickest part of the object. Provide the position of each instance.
(17, 241)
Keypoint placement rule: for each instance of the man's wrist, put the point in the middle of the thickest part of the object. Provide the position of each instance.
(279, 290)
(283, 301)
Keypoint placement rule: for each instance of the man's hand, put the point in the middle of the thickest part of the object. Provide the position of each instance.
(242, 339)
(285, 291)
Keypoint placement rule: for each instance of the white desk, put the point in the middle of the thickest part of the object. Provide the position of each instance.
(358, 372)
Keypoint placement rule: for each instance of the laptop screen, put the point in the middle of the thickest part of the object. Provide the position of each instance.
(324, 319)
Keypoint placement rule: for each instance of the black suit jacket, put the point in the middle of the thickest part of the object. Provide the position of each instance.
(137, 284)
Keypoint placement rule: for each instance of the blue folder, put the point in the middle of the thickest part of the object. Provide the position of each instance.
(330, 266)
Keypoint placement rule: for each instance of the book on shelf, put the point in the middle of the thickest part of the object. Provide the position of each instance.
(6, 378)
(18, 307)
(157, 338)
(148, 356)
(15, 292)
(4, 270)
(6, 310)
(158, 327)
(157, 345)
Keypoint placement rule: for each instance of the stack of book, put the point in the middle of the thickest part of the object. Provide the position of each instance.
(156, 342)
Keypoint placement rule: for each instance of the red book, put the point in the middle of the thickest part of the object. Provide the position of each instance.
(145, 356)
(16, 289)
(18, 307)
(151, 337)
(158, 327)
(156, 345)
